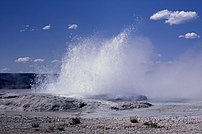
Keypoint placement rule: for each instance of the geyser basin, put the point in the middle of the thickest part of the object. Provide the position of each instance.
(124, 65)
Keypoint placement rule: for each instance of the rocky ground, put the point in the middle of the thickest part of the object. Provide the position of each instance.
(13, 124)
(23, 112)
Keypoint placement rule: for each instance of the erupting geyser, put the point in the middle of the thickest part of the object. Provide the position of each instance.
(124, 66)
(114, 66)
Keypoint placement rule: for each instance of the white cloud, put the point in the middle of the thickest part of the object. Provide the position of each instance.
(181, 36)
(191, 35)
(72, 26)
(39, 60)
(174, 17)
(56, 61)
(47, 27)
(23, 59)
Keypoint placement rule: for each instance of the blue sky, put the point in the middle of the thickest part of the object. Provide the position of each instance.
(34, 32)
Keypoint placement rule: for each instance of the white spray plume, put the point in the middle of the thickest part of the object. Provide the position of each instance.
(123, 65)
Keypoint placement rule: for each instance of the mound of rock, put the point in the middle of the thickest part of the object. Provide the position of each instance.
(39, 102)
(130, 105)
(11, 101)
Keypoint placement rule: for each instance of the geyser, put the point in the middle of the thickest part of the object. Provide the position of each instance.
(122, 66)
(113, 66)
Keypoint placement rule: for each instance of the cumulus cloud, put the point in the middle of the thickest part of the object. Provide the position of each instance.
(39, 60)
(23, 59)
(47, 27)
(72, 26)
(191, 35)
(174, 17)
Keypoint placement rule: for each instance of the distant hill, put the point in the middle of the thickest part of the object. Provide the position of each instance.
(17, 80)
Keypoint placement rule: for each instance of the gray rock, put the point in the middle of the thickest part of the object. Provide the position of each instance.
(130, 105)
(39, 102)
(116, 98)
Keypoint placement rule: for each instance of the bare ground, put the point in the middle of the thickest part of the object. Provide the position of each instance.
(14, 124)
(72, 116)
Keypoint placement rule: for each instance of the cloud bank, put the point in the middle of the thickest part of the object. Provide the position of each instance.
(174, 17)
